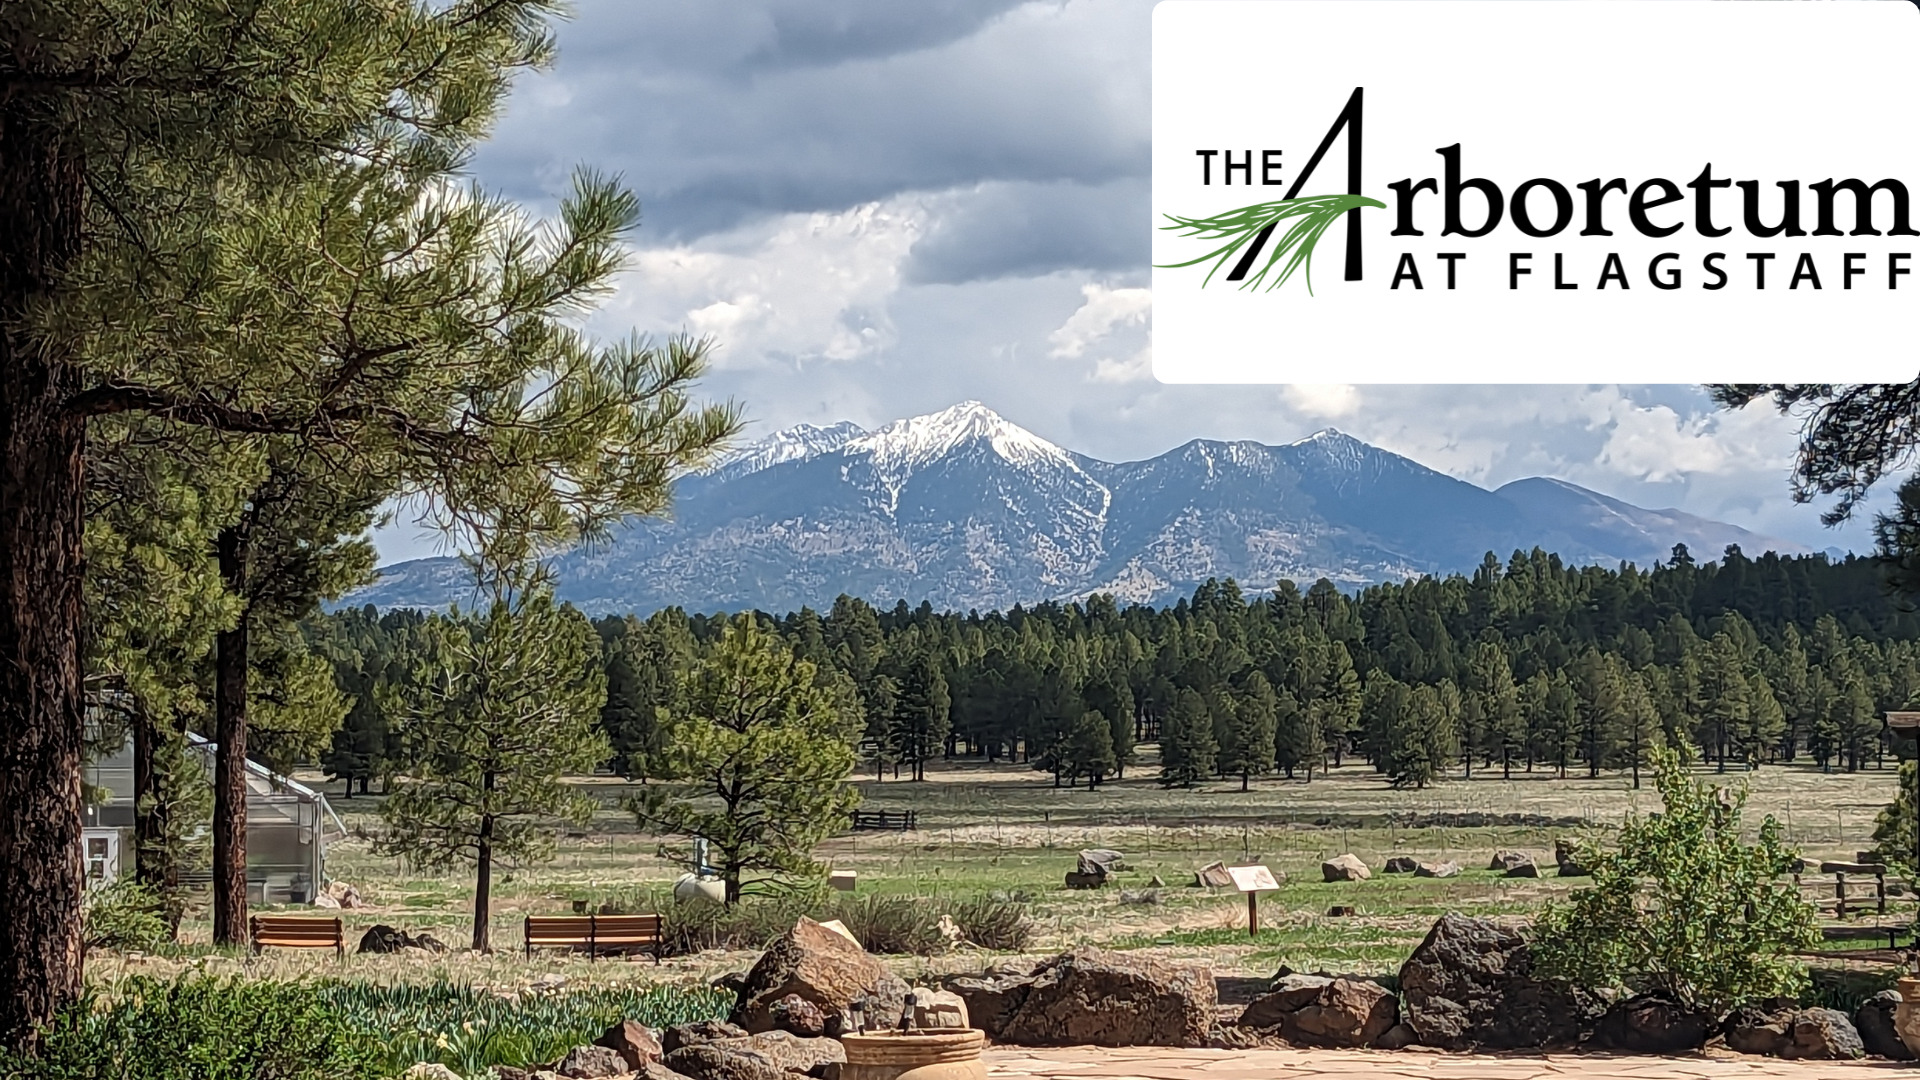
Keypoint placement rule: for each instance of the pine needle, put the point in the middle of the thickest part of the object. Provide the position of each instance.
(1256, 224)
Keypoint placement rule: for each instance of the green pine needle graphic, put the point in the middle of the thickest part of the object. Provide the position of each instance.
(1256, 224)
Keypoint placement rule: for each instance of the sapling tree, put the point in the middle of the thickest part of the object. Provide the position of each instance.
(499, 707)
(758, 751)
(1683, 906)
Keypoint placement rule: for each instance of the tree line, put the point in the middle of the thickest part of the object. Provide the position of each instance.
(1521, 666)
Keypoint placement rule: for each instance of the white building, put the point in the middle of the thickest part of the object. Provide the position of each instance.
(288, 826)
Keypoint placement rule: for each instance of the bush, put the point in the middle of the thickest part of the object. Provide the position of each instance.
(994, 924)
(126, 915)
(204, 1029)
(469, 1030)
(209, 1029)
(906, 925)
(1683, 908)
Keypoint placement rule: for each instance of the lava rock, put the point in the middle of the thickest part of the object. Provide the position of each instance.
(823, 967)
(635, 1042)
(1874, 1021)
(1093, 997)
(1648, 1024)
(1344, 868)
(1471, 984)
(591, 1063)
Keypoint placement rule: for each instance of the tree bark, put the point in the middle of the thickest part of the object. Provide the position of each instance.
(230, 759)
(483, 882)
(42, 199)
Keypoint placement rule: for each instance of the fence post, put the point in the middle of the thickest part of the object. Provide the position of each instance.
(1840, 892)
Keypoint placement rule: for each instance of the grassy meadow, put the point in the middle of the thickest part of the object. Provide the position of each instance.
(1007, 831)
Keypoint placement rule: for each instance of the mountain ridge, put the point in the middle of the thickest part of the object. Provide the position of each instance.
(966, 509)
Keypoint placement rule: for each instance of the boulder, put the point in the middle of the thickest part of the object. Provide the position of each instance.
(634, 1042)
(1524, 869)
(508, 1072)
(430, 1070)
(653, 1070)
(1345, 1013)
(1101, 861)
(1400, 864)
(990, 999)
(698, 1033)
(733, 982)
(1564, 854)
(342, 894)
(935, 1009)
(709, 1061)
(1289, 995)
(592, 1063)
(1092, 997)
(1398, 1037)
(798, 1016)
(1651, 1025)
(789, 1051)
(1811, 1034)
(1504, 861)
(1824, 1035)
(1471, 984)
(325, 901)
(1757, 1031)
(1874, 1021)
(1344, 868)
(1213, 876)
(1078, 880)
(1436, 870)
(822, 967)
(385, 939)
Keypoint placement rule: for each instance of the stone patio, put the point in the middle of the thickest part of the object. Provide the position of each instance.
(1154, 1063)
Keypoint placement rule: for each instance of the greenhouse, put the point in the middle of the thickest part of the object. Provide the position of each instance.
(288, 826)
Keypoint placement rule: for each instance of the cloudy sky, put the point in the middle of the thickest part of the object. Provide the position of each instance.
(879, 208)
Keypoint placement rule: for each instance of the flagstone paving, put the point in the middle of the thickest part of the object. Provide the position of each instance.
(1156, 1063)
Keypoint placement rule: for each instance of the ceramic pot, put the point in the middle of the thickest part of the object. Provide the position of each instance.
(915, 1055)
(1906, 1018)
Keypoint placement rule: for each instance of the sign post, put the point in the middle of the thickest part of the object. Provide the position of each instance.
(1253, 880)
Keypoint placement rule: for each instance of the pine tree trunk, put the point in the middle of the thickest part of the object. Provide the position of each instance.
(483, 884)
(42, 198)
(230, 758)
(149, 814)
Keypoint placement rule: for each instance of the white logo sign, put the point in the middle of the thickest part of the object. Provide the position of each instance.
(1496, 191)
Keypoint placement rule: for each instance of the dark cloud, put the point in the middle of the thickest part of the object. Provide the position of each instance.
(777, 106)
(1024, 229)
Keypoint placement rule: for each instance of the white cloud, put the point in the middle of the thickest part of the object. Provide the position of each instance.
(1105, 310)
(785, 291)
(1330, 401)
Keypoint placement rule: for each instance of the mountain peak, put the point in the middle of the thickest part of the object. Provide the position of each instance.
(796, 443)
(914, 442)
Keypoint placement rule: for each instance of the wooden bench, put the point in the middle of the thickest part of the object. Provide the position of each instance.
(594, 933)
(290, 932)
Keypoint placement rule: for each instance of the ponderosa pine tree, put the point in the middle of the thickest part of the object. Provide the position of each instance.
(241, 221)
(1089, 749)
(1187, 747)
(765, 742)
(1255, 709)
(498, 708)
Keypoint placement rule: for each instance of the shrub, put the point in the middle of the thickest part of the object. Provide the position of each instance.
(469, 1030)
(125, 914)
(892, 924)
(994, 924)
(1684, 908)
(204, 1029)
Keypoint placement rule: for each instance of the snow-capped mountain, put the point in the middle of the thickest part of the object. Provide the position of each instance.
(965, 509)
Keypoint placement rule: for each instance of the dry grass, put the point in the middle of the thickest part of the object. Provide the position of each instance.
(1007, 830)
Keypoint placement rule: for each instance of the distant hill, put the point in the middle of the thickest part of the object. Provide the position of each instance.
(967, 510)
